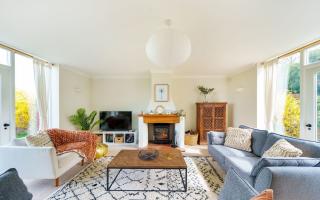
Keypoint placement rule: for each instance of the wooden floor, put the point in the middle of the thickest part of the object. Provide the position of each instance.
(41, 189)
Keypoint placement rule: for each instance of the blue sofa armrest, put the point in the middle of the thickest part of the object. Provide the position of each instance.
(294, 183)
(236, 188)
(216, 138)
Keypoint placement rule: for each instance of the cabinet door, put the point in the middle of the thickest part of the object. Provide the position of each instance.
(219, 117)
(207, 122)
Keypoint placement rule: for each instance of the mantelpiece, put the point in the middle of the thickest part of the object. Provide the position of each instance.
(160, 118)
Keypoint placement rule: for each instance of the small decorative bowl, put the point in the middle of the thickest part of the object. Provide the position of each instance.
(148, 154)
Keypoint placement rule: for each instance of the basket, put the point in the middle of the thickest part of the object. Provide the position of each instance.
(191, 139)
(118, 139)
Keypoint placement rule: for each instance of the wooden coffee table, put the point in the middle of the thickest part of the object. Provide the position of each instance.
(167, 159)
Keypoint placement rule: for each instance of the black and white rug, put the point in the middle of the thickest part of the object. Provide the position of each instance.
(203, 183)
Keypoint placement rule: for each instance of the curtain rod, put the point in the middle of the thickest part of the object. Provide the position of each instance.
(296, 50)
(22, 52)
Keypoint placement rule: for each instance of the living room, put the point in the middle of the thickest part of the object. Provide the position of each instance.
(159, 99)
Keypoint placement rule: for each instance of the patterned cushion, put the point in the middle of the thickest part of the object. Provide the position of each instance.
(238, 138)
(264, 195)
(42, 139)
(282, 148)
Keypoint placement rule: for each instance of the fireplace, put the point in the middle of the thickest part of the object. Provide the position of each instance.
(161, 133)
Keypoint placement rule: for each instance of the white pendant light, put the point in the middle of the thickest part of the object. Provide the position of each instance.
(168, 47)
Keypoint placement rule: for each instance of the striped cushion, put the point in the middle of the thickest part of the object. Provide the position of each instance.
(238, 138)
(282, 148)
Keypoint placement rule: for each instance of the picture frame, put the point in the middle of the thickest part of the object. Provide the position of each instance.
(161, 92)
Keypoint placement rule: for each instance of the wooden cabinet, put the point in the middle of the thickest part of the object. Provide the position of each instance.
(210, 117)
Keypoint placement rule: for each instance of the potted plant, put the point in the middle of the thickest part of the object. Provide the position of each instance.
(205, 91)
(83, 121)
(191, 137)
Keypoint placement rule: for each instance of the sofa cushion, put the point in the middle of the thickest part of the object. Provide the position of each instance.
(219, 152)
(284, 162)
(238, 138)
(217, 137)
(236, 188)
(66, 158)
(243, 165)
(309, 148)
(282, 148)
(12, 187)
(41, 139)
(259, 138)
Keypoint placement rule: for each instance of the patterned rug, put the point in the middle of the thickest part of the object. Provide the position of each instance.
(203, 183)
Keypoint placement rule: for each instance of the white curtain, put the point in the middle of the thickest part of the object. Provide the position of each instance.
(42, 78)
(276, 84)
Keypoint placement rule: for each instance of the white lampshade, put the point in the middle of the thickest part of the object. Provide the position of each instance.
(168, 48)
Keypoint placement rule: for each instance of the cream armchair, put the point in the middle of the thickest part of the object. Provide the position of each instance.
(36, 162)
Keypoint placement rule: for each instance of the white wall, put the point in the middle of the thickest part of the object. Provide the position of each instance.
(133, 94)
(242, 98)
(75, 92)
(123, 94)
(186, 94)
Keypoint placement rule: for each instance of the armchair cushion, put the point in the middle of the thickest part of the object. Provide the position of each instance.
(283, 162)
(12, 187)
(41, 139)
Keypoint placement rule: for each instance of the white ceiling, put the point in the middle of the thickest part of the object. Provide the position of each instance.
(108, 37)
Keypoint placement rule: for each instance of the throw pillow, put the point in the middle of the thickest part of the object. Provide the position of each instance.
(282, 148)
(218, 138)
(12, 187)
(284, 162)
(264, 195)
(238, 138)
(42, 139)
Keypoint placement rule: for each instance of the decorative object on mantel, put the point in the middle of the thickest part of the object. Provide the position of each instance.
(168, 47)
(160, 109)
(148, 154)
(205, 91)
(191, 137)
(161, 92)
(83, 121)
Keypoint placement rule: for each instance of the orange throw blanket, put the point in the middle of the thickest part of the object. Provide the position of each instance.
(82, 142)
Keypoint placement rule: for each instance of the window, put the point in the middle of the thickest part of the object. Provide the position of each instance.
(313, 55)
(27, 117)
(5, 57)
(291, 114)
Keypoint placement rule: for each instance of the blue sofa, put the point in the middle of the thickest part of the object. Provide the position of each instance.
(290, 178)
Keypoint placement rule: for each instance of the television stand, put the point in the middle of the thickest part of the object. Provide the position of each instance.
(118, 137)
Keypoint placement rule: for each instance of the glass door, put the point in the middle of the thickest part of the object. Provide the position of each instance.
(6, 97)
(311, 105)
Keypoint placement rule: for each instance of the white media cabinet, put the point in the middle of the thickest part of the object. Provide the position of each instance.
(118, 137)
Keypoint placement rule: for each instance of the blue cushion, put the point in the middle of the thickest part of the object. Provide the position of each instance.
(259, 138)
(243, 165)
(218, 137)
(309, 148)
(12, 187)
(220, 152)
(236, 188)
(284, 162)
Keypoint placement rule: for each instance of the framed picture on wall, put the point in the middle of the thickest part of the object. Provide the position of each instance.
(161, 92)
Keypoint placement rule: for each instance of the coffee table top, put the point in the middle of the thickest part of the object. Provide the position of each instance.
(167, 159)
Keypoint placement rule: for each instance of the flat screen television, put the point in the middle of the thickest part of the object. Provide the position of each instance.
(116, 120)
